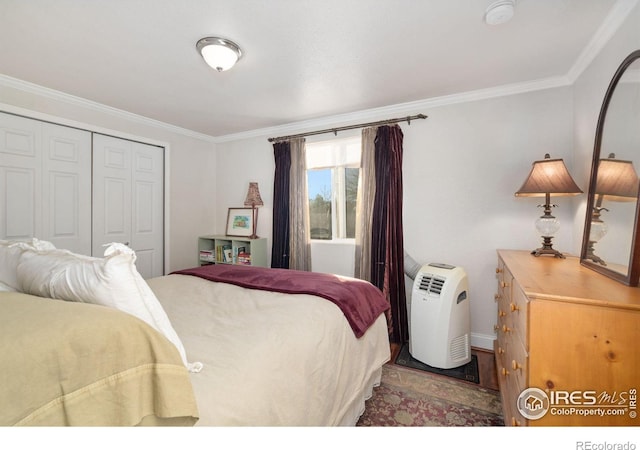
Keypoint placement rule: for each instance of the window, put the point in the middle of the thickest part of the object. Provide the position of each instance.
(332, 177)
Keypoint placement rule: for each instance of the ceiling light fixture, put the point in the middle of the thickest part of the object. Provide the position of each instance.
(219, 53)
(499, 12)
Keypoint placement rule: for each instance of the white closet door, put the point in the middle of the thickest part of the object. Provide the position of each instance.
(45, 175)
(128, 200)
(147, 226)
(20, 177)
(66, 189)
(111, 192)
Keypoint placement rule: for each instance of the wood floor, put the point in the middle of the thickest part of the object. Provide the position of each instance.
(486, 365)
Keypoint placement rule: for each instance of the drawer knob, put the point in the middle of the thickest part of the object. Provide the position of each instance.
(498, 270)
(500, 351)
(506, 329)
(501, 313)
(514, 307)
(505, 372)
(504, 284)
(515, 365)
(496, 327)
(497, 297)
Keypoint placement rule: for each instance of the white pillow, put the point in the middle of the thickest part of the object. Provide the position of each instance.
(10, 252)
(111, 281)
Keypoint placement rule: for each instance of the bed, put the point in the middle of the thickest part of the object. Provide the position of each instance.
(234, 353)
(67, 363)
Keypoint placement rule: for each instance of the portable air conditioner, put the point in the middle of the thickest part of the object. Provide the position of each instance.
(440, 325)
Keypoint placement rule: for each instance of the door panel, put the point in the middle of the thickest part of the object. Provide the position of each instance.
(128, 200)
(117, 210)
(20, 177)
(19, 211)
(45, 170)
(148, 213)
(111, 192)
(66, 219)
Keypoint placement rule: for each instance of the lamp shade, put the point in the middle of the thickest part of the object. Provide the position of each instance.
(548, 176)
(253, 196)
(617, 180)
(221, 54)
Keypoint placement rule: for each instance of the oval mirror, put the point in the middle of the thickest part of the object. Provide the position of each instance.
(611, 241)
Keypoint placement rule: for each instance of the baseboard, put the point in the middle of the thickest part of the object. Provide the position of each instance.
(482, 341)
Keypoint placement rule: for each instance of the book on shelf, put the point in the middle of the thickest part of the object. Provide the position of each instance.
(206, 256)
(221, 252)
(244, 258)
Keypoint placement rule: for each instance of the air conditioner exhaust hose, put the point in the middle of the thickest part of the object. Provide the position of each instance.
(411, 267)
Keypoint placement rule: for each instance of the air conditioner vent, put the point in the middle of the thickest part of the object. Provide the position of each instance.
(432, 284)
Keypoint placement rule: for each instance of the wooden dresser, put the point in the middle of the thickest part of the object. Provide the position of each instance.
(570, 332)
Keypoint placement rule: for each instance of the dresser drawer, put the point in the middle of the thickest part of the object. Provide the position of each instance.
(518, 312)
(510, 346)
(512, 416)
(517, 363)
(511, 385)
(505, 281)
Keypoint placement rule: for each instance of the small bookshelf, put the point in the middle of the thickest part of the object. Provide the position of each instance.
(213, 249)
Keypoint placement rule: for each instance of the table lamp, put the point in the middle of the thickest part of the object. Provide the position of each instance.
(253, 199)
(547, 177)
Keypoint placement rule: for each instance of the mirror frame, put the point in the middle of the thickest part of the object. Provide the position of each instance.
(633, 272)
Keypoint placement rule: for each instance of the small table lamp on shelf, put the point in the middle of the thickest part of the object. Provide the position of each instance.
(548, 176)
(253, 199)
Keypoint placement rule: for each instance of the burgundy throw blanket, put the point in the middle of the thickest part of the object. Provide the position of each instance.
(360, 301)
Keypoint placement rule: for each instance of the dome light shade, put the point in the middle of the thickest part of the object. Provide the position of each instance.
(499, 12)
(221, 54)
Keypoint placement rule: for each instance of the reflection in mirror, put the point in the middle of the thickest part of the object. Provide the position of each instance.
(611, 241)
(617, 182)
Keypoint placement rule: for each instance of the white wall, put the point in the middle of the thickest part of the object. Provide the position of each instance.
(461, 169)
(191, 164)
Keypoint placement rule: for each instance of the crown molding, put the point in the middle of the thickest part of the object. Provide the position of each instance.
(399, 110)
(31, 88)
(618, 14)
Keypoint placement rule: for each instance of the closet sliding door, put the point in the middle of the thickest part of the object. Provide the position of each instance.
(45, 183)
(128, 200)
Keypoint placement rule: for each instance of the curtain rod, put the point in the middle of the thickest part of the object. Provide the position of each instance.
(407, 119)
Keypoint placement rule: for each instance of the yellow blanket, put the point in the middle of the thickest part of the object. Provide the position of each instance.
(65, 363)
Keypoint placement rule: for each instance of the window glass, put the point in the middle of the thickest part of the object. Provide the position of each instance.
(319, 187)
(332, 177)
(351, 196)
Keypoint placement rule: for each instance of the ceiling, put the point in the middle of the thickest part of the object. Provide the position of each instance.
(303, 59)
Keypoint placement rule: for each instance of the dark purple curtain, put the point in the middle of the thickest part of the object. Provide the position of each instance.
(280, 246)
(387, 265)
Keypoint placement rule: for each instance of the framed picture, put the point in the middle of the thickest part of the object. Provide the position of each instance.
(240, 221)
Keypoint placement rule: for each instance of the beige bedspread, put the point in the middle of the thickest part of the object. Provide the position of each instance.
(271, 358)
(65, 363)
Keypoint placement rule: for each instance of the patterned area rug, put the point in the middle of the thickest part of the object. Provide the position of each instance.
(406, 397)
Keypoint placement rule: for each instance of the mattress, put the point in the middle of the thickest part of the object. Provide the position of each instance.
(270, 358)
